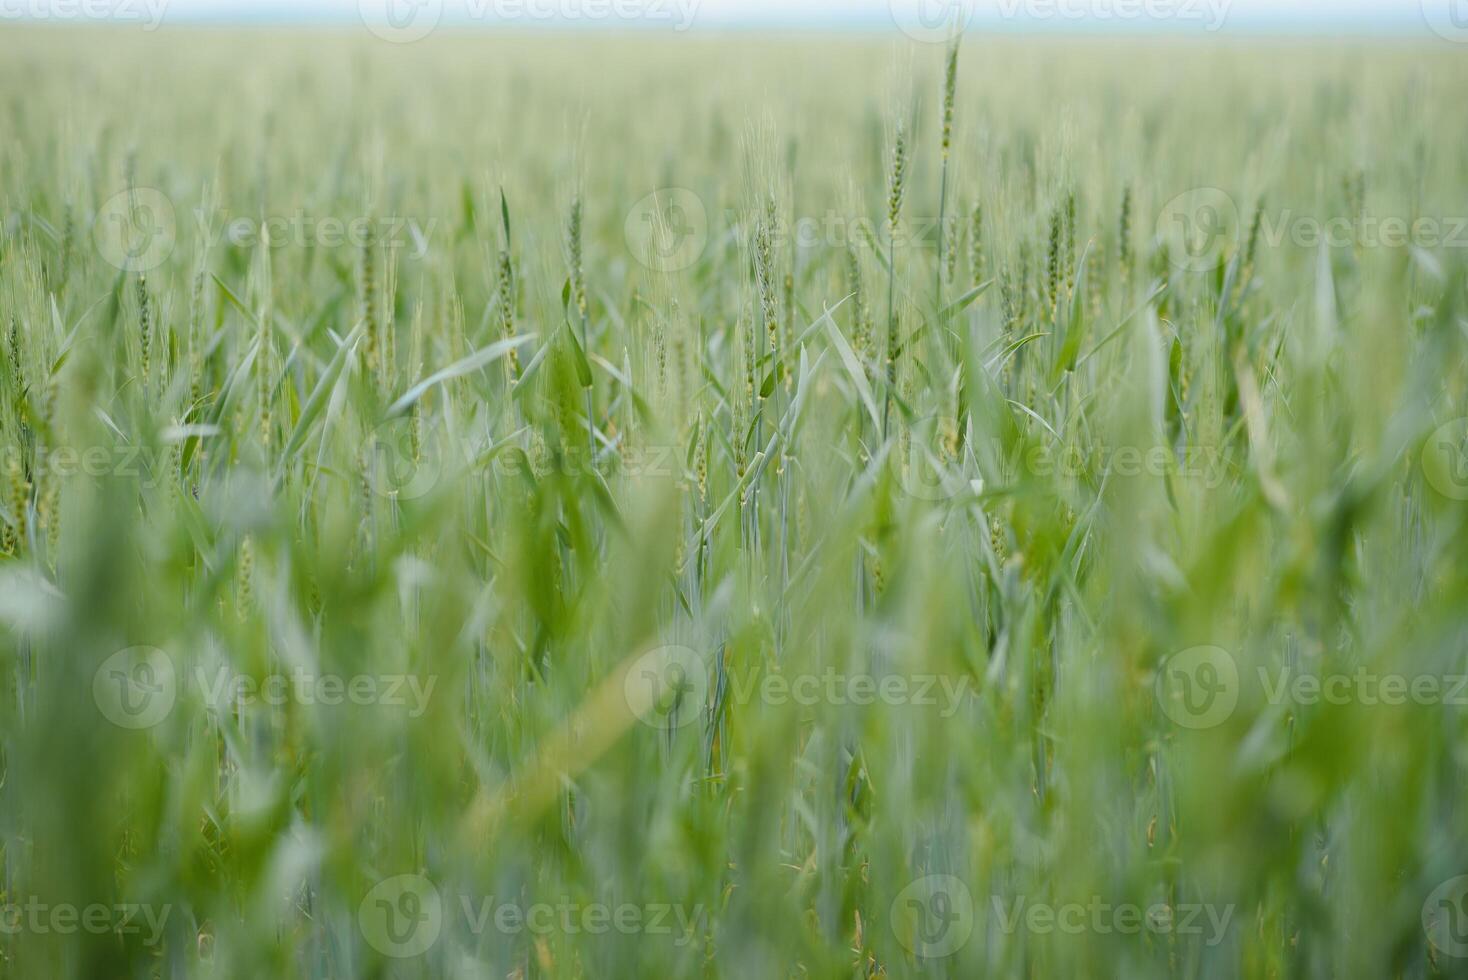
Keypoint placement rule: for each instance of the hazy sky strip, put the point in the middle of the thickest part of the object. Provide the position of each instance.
(1079, 15)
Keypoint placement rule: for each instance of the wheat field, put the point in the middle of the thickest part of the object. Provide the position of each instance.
(732, 506)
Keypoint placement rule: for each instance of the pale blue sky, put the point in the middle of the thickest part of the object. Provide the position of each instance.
(1186, 15)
